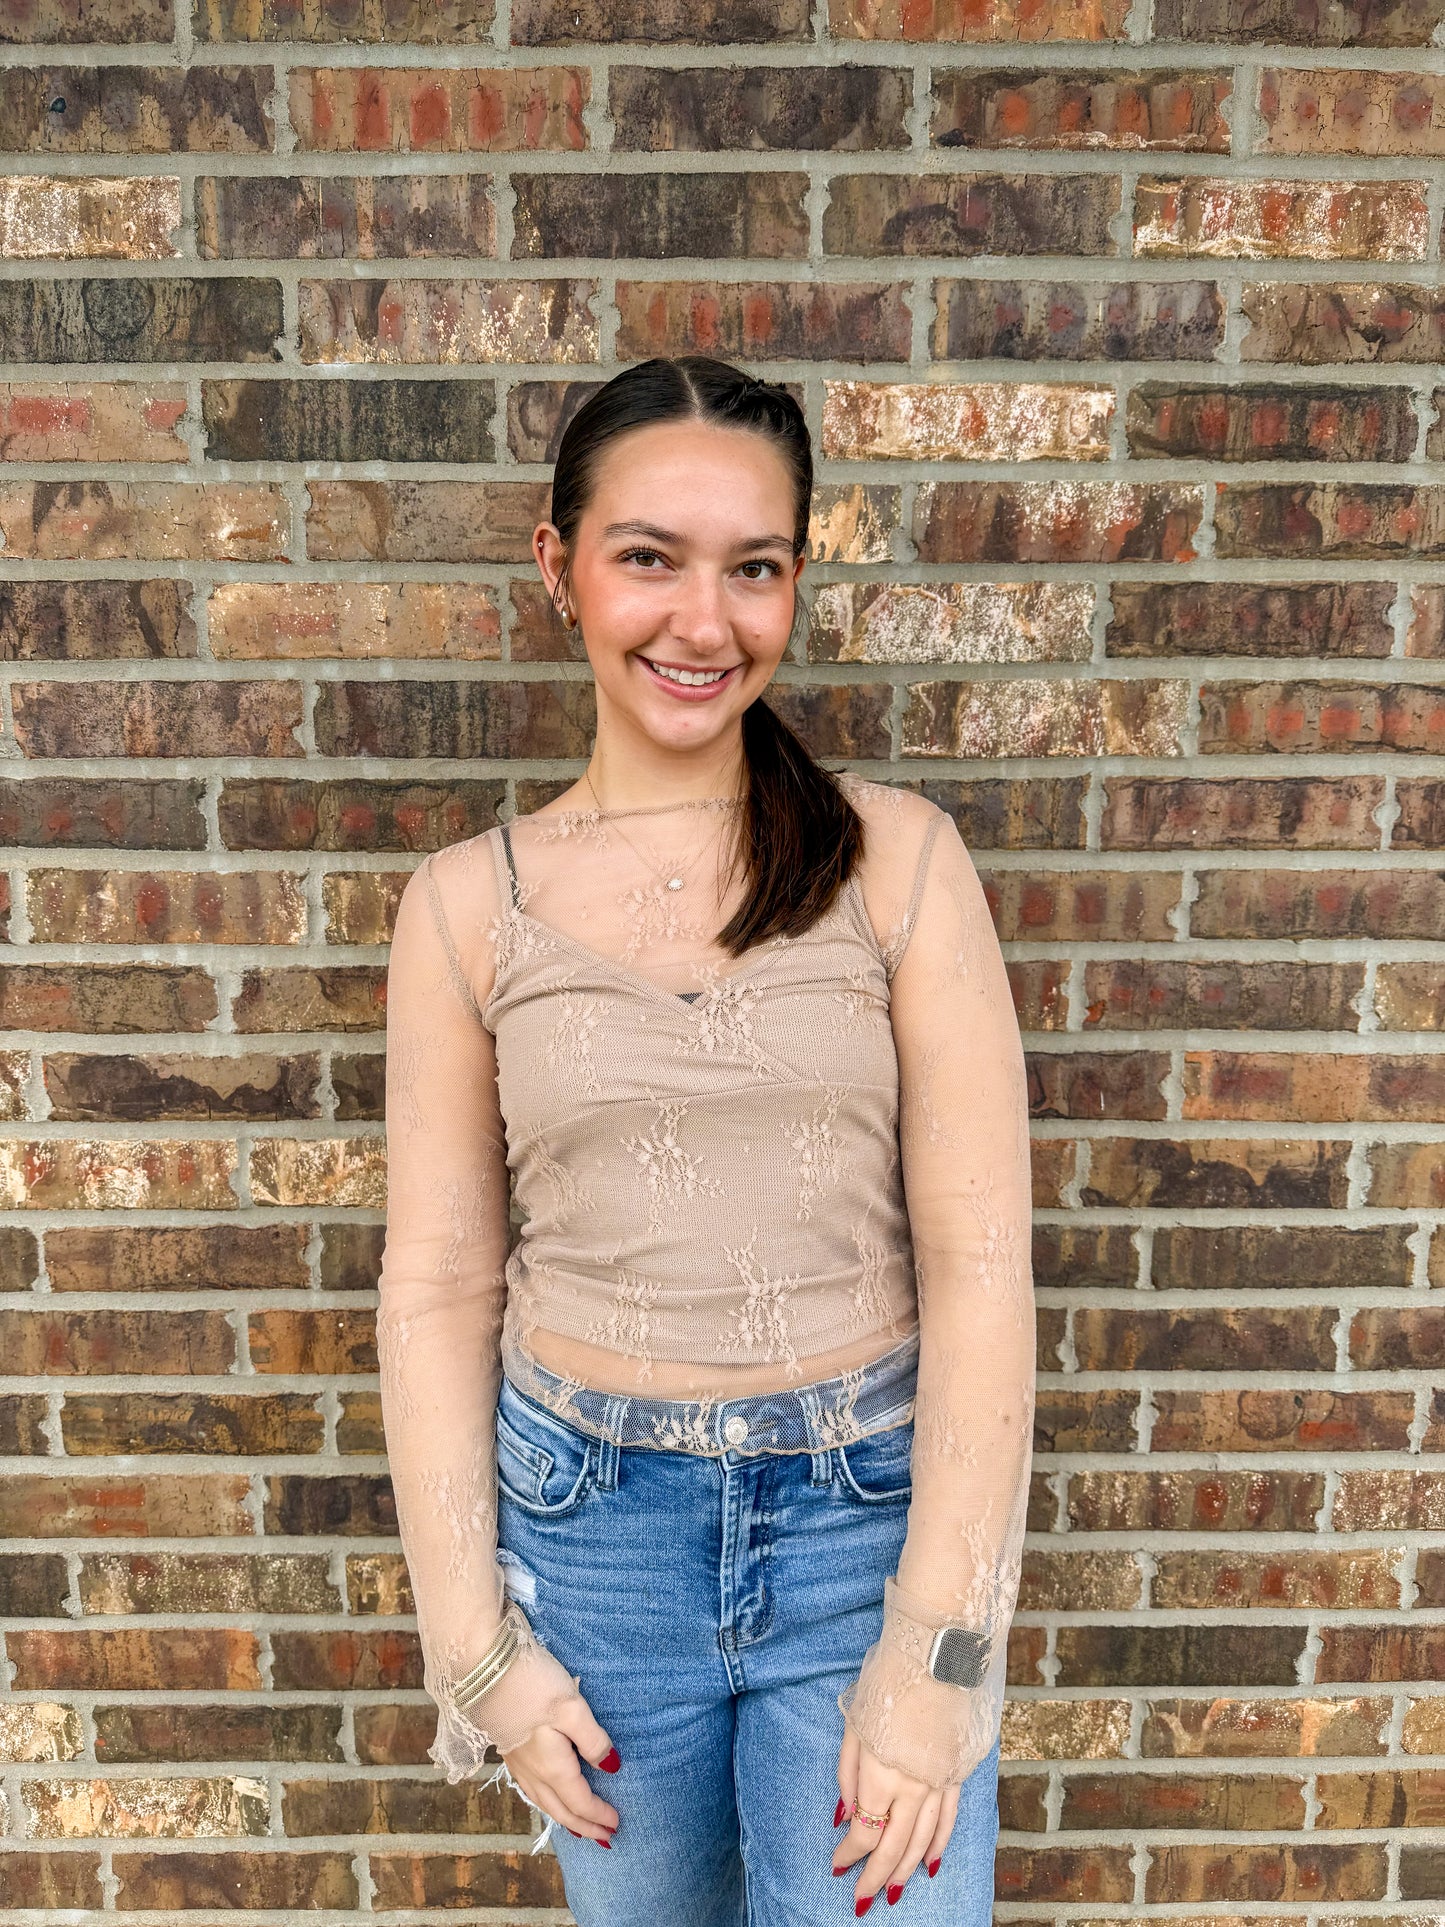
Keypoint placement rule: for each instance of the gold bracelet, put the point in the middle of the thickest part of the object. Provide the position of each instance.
(490, 1667)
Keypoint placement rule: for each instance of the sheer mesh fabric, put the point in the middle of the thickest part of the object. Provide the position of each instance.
(734, 1175)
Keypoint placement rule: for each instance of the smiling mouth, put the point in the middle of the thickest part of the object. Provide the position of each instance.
(690, 678)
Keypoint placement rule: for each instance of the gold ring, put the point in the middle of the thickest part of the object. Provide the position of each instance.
(869, 1819)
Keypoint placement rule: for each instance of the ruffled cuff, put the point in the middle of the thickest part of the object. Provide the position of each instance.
(534, 1688)
(925, 1727)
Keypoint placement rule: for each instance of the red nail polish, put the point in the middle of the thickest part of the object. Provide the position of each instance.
(611, 1762)
(604, 1843)
(895, 1893)
(839, 1811)
(842, 1869)
(863, 1905)
(934, 1865)
(574, 1833)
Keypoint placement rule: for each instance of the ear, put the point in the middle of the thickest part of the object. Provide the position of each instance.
(551, 558)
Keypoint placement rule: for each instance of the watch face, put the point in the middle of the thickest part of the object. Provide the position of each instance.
(958, 1656)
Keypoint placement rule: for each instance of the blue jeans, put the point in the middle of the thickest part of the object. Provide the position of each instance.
(713, 1606)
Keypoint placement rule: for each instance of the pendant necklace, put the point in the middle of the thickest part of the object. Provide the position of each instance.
(676, 881)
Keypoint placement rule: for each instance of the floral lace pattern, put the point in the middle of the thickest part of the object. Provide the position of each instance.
(730, 1175)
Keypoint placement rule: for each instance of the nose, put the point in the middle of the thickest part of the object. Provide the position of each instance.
(699, 614)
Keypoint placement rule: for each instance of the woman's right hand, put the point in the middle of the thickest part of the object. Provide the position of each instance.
(546, 1767)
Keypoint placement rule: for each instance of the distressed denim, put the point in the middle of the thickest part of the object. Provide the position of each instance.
(713, 1607)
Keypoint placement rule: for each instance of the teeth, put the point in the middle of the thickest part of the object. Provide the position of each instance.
(688, 677)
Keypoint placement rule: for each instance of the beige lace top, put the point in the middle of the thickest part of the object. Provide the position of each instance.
(734, 1174)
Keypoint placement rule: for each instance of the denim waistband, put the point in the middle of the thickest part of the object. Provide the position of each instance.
(804, 1418)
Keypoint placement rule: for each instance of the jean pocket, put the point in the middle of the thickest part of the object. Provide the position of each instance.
(878, 1469)
(543, 1464)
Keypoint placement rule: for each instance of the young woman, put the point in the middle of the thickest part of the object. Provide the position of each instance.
(712, 1493)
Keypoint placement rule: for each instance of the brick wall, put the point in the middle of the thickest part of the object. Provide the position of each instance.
(1119, 331)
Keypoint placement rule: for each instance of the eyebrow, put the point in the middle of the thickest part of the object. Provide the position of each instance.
(670, 535)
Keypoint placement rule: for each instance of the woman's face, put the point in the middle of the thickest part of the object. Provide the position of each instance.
(683, 562)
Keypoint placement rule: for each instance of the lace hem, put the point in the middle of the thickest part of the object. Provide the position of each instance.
(925, 1727)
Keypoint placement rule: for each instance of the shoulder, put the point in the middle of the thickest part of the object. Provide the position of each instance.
(899, 827)
(901, 830)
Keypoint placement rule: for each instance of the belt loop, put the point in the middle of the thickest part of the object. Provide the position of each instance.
(821, 1468)
(609, 1452)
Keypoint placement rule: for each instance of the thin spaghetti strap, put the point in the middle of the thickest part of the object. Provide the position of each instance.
(501, 841)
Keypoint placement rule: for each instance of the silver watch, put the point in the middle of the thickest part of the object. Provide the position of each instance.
(958, 1656)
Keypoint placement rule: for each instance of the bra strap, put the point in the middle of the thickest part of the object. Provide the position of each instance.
(501, 841)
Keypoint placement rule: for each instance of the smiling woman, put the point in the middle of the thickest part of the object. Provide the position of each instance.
(743, 1418)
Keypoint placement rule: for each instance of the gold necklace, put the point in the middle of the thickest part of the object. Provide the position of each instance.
(676, 881)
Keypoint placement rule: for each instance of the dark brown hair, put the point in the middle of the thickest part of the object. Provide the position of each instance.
(799, 836)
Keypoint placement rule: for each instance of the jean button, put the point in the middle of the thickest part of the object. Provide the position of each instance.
(736, 1430)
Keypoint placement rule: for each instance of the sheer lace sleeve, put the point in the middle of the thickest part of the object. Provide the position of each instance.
(442, 1295)
(963, 1126)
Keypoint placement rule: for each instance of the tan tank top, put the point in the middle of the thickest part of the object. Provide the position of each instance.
(733, 1174)
(706, 1174)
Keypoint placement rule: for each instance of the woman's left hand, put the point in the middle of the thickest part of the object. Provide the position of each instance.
(920, 1819)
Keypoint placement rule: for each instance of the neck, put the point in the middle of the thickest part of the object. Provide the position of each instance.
(644, 782)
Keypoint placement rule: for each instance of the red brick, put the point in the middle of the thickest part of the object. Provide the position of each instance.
(409, 321)
(91, 422)
(1049, 108)
(1263, 423)
(661, 217)
(137, 110)
(1241, 813)
(549, 23)
(1305, 1084)
(1227, 1728)
(1367, 521)
(1317, 23)
(144, 521)
(90, 1174)
(723, 109)
(1339, 110)
(287, 1881)
(984, 421)
(427, 22)
(1299, 1419)
(970, 214)
(423, 521)
(950, 622)
(1045, 717)
(131, 218)
(1319, 717)
(1077, 320)
(1410, 996)
(1319, 903)
(1298, 1338)
(106, 1000)
(1407, 1174)
(1056, 521)
(853, 522)
(1426, 634)
(1221, 995)
(222, 1257)
(1291, 1872)
(100, 1089)
(178, 906)
(363, 218)
(1199, 1581)
(977, 20)
(1252, 619)
(96, 620)
(1221, 1803)
(262, 813)
(357, 620)
(93, 1505)
(31, 22)
(1316, 322)
(1257, 220)
(1246, 1173)
(444, 110)
(157, 719)
(765, 320)
(1297, 1257)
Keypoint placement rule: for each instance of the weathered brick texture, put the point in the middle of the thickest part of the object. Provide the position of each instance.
(1119, 329)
